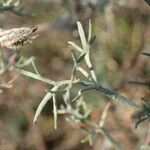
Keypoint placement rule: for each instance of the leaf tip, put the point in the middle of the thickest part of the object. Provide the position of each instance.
(34, 122)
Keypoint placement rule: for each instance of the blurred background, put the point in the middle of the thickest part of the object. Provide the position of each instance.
(122, 30)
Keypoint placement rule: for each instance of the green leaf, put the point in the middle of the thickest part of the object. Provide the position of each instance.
(90, 30)
(74, 57)
(81, 34)
(41, 106)
(55, 111)
(74, 45)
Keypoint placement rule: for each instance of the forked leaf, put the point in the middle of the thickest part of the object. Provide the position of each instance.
(81, 34)
(32, 75)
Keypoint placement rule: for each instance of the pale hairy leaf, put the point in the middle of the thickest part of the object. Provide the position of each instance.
(81, 34)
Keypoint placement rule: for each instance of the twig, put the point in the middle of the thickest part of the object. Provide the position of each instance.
(117, 97)
(104, 132)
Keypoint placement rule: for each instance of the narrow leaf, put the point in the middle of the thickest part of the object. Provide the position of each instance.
(32, 75)
(104, 115)
(90, 30)
(41, 106)
(85, 73)
(81, 34)
(55, 111)
(87, 138)
(66, 96)
(74, 45)
(74, 57)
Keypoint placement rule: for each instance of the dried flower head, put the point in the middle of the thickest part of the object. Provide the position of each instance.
(17, 37)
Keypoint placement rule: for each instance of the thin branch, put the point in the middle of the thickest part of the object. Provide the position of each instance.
(111, 94)
(117, 97)
(9, 84)
(104, 132)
